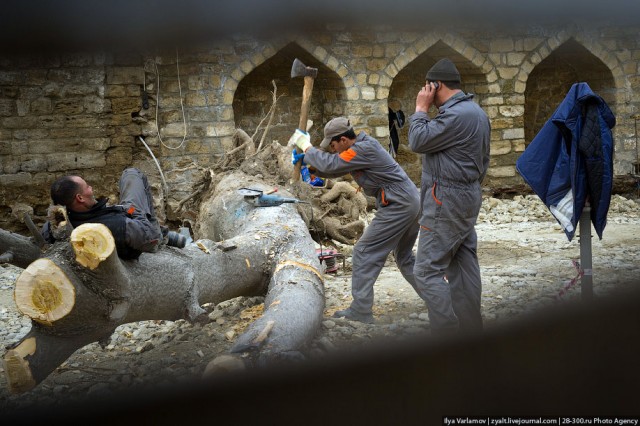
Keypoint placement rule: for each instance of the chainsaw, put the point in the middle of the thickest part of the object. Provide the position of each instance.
(261, 199)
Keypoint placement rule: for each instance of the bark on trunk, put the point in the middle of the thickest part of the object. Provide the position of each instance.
(17, 249)
(72, 305)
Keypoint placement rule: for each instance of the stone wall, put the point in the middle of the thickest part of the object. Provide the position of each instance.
(83, 113)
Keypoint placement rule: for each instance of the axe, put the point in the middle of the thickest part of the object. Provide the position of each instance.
(298, 69)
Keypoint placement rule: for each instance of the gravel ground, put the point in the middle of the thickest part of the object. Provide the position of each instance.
(526, 264)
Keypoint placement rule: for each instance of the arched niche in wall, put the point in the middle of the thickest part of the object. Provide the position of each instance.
(406, 85)
(549, 82)
(253, 97)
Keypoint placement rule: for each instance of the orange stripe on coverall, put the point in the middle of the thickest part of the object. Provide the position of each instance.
(433, 194)
(348, 155)
(382, 199)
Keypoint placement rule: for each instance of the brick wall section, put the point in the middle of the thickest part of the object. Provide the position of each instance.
(83, 114)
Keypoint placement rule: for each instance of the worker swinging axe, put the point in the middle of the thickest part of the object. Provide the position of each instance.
(298, 69)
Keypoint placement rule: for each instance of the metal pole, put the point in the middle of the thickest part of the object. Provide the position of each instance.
(586, 283)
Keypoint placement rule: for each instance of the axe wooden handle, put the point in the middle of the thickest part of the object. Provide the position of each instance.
(302, 124)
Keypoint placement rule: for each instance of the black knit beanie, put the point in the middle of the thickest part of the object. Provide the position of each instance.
(443, 70)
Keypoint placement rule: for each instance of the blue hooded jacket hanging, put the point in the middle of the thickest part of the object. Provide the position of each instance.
(570, 161)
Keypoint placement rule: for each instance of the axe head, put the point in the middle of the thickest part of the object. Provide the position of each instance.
(298, 69)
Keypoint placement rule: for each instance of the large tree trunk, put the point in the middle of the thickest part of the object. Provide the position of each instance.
(80, 291)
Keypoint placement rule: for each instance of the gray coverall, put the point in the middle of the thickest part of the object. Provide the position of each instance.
(455, 148)
(143, 231)
(395, 225)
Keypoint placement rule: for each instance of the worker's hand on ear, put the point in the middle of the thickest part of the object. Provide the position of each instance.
(426, 97)
(301, 139)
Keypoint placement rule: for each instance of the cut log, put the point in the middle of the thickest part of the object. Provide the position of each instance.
(92, 244)
(80, 291)
(44, 293)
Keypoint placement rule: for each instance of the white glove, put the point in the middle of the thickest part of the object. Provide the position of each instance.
(301, 139)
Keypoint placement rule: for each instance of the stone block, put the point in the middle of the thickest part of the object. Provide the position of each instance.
(194, 99)
(10, 164)
(7, 107)
(227, 97)
(378, 121)
(381, 132)
(515, 59)
(512, 110)
(20, 135)
(96, 105)
(373, 79)
(368, 93)
(41, 106)
(492, 112)
(11, 78)
(126, 140)
(130, 129)
(125, 105)
(362, 50)
(382, 93)
(517, 133)
(64, 161)
(172, 130)
(71, 90)
(120, 119)
(80, 121)
(508, 72)
(19, 122)
(518, 145)
(33, 163)
(115, 91)
(22, 107)
(125, 75)
(375, 65)
(35, 77)
(196, 82)
(501, 171)
(6, 148)
(118, 158)
(500, 147)
(78, 144)
(220, 130)
(16, 180)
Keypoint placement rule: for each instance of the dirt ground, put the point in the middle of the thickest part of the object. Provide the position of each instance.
(526, 266)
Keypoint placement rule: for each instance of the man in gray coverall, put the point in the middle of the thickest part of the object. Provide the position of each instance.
(395, 225)
(455, 157)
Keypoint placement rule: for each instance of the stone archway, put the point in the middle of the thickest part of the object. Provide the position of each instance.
(551, 79)
(253, 96)
(411, 78)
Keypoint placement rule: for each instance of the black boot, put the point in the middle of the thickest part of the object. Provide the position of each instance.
(350, 314)
(175, 239)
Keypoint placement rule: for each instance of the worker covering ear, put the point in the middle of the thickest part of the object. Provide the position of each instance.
(455, 148)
